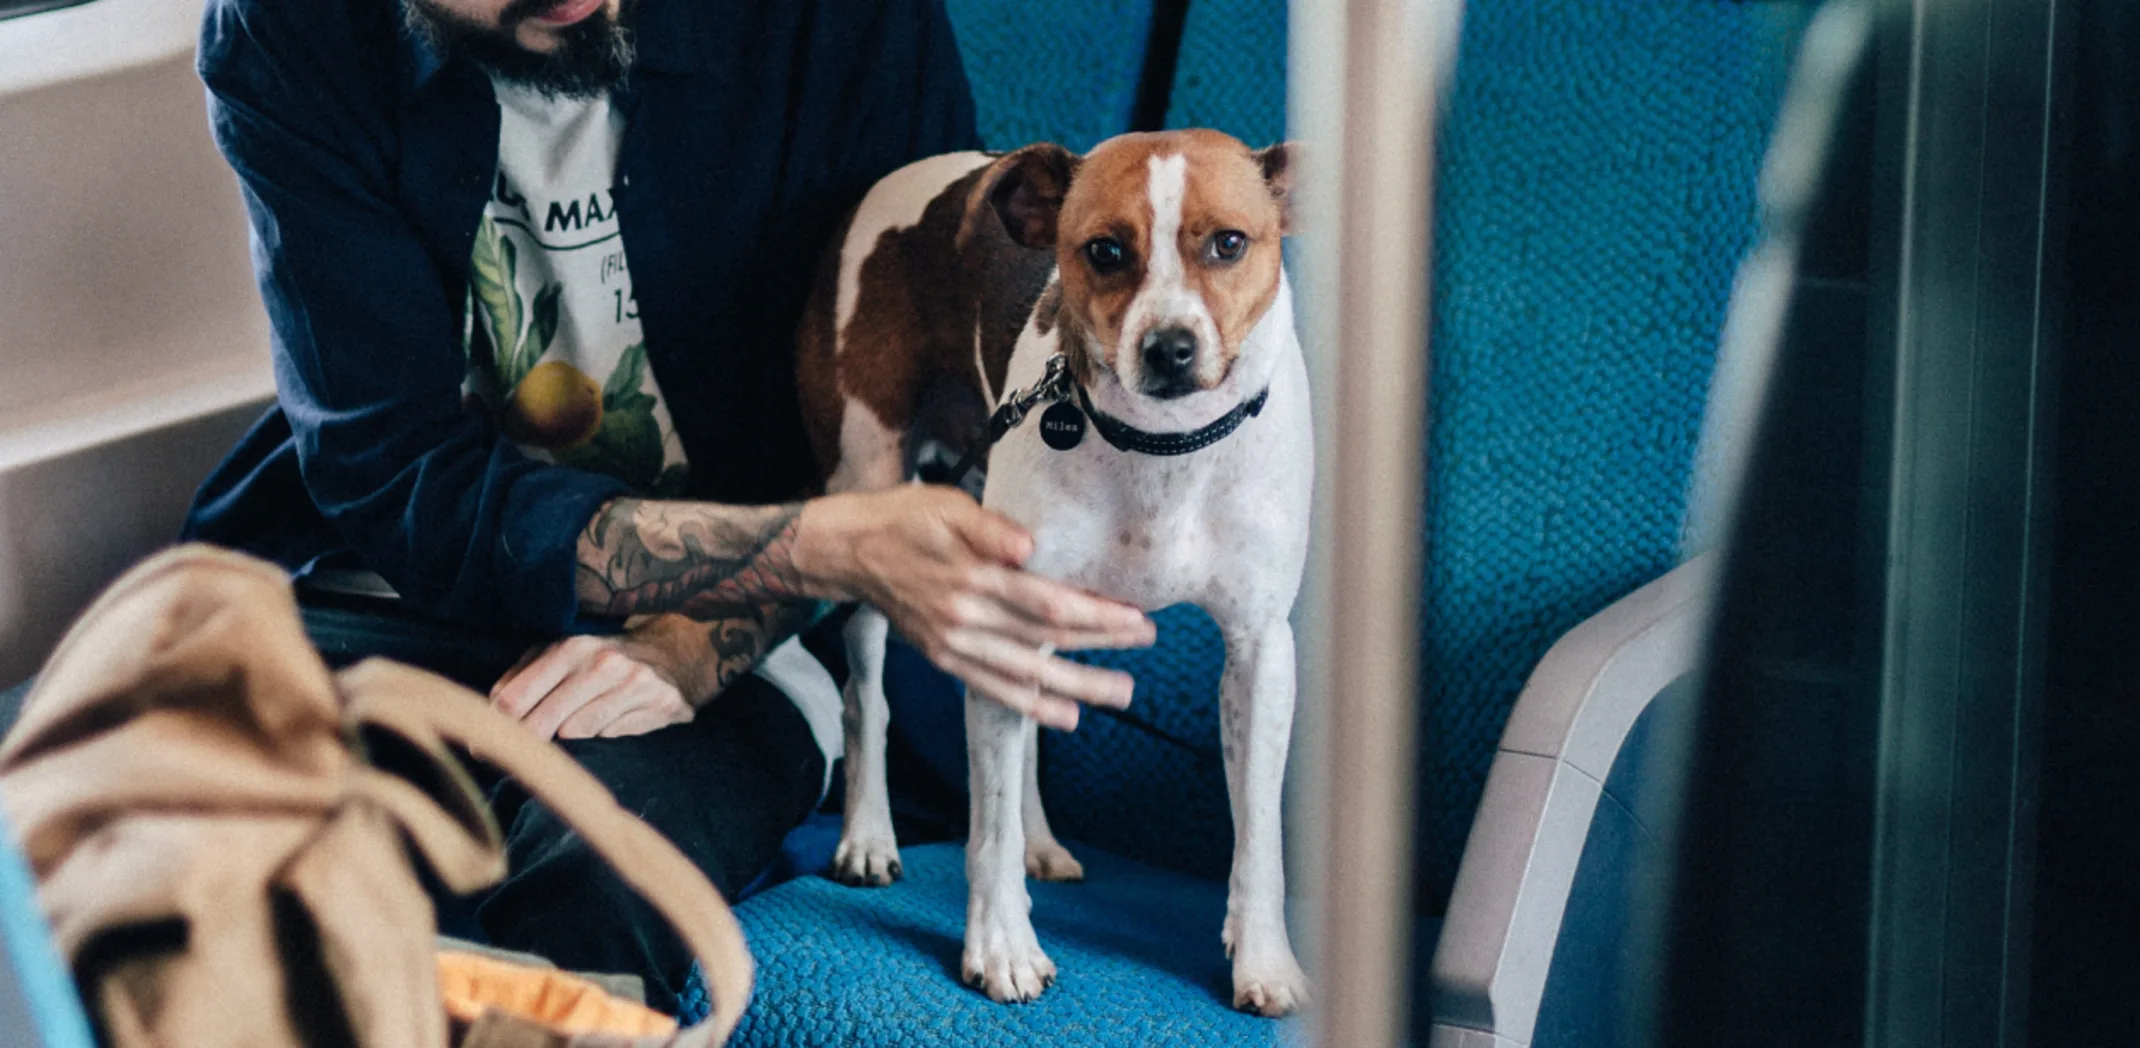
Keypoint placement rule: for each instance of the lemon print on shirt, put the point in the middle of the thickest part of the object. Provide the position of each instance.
(555, 406)
(543, 401)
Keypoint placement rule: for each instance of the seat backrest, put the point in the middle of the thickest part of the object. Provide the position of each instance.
(1230, 72)
(1065, 71)
(1595, 194)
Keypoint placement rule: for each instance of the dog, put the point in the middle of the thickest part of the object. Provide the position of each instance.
(1151, 267)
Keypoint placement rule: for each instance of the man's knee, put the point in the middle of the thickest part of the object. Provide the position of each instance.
(564, 902)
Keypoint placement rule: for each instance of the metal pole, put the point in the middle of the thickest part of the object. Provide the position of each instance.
(1369, 125)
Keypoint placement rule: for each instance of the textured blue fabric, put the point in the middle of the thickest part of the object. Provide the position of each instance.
(1150, 783)
(1230, 71)
(693, 1003)
(1137, 949)
(38, 1005)
(1596, 190)
(1064, 71)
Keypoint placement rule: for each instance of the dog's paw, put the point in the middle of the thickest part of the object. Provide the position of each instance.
(1050, 861)
(1007, 964)
(866, 862)
(1270, 986)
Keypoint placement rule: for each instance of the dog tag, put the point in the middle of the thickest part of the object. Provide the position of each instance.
(1062, 426)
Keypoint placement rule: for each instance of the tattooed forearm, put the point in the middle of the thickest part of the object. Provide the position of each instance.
(737, 644)
(639, 556)
(708, 656)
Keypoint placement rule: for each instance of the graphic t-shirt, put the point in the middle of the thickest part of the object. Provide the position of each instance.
(565, 372)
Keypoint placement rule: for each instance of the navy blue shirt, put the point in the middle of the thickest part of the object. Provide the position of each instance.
(752, 127)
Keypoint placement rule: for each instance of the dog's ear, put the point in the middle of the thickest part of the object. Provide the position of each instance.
(1026, 188)
(1278, 163)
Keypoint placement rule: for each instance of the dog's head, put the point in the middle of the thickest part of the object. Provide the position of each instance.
(1167, 247)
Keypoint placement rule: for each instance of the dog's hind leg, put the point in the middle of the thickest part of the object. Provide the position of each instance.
(1002, 955)
(1045, 857)
(869, 851)
(1257, 693)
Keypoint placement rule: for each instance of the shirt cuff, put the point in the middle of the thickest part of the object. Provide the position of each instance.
(539, 549)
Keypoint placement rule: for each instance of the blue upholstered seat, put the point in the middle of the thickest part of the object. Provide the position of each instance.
(1137, 942)
(1596, 194)
(1596, 190)
(38, 1005)
(1137, 947)
(1230, 71)
(1063, 71)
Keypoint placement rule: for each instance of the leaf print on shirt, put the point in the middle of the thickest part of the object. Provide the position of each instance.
(490, 279)
(493, 279)
(551, 405)
(542, 329)
(628, 445)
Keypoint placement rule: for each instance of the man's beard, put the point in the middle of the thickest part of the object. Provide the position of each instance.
(591, 56)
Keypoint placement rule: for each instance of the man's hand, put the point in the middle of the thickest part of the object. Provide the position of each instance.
(584, 687)
(944, 570)
(946, 573)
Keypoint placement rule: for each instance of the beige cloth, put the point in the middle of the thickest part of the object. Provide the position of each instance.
(221, 828)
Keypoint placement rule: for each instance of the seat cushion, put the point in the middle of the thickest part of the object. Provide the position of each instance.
(1137, 948)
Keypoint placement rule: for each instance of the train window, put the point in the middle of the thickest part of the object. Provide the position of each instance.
(1918, 718)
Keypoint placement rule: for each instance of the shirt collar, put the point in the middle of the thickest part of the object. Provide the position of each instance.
(675, 36)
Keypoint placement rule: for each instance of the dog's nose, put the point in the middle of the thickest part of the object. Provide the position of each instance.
(1169, 351)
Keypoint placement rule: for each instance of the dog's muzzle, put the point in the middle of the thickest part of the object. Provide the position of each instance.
(1169, 362)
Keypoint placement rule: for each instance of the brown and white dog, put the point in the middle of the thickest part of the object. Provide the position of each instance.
(1152, 265)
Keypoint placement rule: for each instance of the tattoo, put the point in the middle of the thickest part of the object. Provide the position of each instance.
(736, 639)
(707, 561)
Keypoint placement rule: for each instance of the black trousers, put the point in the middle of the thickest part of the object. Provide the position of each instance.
(725, 788)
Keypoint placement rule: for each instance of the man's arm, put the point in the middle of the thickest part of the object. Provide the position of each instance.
(945, 572)
(704, 656)
(722, 580)
(369, 364)
(638, 556)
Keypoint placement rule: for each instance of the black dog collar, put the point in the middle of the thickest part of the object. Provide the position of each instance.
(1129, 438)
(1057, 385)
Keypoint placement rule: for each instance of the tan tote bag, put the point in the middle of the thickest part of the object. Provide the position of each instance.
(223, 830)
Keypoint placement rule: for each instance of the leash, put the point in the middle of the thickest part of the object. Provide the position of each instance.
(1063, 425)
(1054, 385)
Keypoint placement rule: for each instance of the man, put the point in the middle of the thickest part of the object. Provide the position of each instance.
(533, 269)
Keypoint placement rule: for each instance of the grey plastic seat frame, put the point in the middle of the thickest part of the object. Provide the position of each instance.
(1490, 967)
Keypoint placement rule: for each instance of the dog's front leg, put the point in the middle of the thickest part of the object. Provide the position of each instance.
(869, 851)
(1003, 957)
(1045, 857)
(1257, 723)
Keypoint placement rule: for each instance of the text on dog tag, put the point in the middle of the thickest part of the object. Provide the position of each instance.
(1062, 426)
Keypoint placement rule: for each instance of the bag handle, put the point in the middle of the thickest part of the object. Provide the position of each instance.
(421, 706)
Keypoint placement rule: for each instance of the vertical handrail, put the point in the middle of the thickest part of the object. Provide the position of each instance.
(1162, 56)
(1368, 75)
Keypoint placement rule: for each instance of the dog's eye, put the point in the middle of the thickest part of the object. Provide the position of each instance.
(1226, 245)
(1106, 254)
